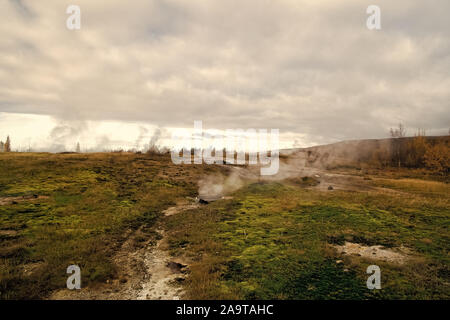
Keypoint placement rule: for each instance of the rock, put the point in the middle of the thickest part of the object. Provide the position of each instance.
(179, 279)
(176, 267)
(330, 188)
(123, 280)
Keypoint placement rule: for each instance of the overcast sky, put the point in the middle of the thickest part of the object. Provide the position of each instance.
(309, 68)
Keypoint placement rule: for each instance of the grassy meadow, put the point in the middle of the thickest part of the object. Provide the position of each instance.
(274, 241)
(271, 240)
(86, 206)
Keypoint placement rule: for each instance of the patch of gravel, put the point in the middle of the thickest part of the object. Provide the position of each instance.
(395, 255)
(180, 208)
(162, 275)
(146, 272)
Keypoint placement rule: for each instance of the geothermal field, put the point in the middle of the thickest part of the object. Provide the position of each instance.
(141, 227)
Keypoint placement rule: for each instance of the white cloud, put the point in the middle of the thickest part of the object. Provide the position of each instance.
(309, 68)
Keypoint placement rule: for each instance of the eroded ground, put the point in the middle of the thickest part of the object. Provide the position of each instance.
(136, 228)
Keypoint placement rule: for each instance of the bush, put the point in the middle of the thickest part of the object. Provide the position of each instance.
(417, 148)
(437, 158)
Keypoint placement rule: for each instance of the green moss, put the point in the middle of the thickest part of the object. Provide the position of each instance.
(92, 200)
(272, 241)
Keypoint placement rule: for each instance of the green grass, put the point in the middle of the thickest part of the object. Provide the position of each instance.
(92, 200)
(272, 241)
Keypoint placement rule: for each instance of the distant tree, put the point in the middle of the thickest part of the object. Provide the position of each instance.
(78, 149)
(437, 158)
(7, 146)
(416, 149)
(397, 154)
(380, 157)
(2, 146)
(399, 132)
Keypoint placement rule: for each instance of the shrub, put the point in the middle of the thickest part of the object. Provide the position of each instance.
(417, 148)
(437, 158)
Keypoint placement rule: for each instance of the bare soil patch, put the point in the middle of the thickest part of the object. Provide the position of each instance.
(146, 269)
(180, 207)
(162, 274)
(377, 252)
(13, 200)
(30, 268)
(8, 233)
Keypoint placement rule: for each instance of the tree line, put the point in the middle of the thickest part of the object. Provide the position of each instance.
(5, 146)
(419, 151)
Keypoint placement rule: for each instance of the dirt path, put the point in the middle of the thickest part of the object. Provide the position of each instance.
(164, 274)
(15, 200)
(146, 270)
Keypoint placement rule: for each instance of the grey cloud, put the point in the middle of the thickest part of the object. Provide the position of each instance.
(301, 66)
(22, 8)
